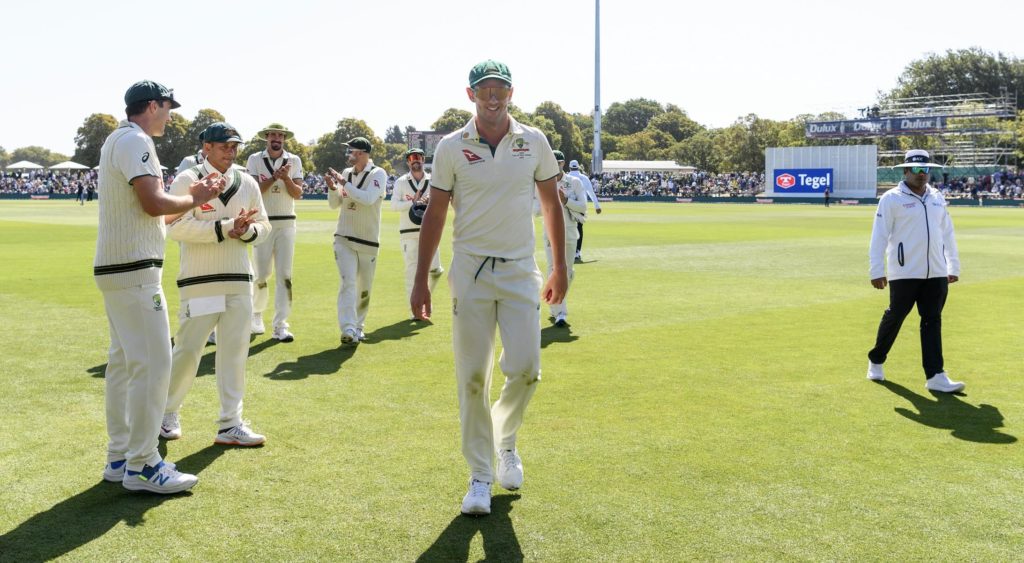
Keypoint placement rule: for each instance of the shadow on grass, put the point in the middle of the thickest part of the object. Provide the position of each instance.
(322, 363)
(207, 363)
(91, 513)
(500, 542)
(553, 334)
(397, 331)
(948, 412)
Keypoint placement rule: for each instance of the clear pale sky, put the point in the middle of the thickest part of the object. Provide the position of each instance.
(309, 63)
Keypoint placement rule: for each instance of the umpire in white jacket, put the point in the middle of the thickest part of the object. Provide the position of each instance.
(914, 232)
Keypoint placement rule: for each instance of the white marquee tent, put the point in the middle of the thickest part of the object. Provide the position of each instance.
(69, 165)
(24, 165)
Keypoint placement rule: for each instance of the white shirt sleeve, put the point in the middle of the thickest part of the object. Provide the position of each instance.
(136, 156)
(442, 176)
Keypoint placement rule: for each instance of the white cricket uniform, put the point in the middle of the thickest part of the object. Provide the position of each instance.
(190, 161)
(357, 241)
(127, 269)
(588, 187)
(574, 211)
(494, 279)
(279, 249)
(215, 282)
(409, 232)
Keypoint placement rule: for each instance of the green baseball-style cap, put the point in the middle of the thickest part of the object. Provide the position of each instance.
(221, 132)
(411, 152)
(489, 69)
(559, 156)
(359, 144)
(146, 90)
(275, 127)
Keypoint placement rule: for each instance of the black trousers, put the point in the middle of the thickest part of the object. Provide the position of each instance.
(930, 297)
(579, 241)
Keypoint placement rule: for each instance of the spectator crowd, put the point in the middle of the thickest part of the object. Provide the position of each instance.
(699, 183)
(1000, 185)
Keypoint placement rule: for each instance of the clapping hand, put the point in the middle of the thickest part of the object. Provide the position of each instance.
(242, 222)
(206, 189)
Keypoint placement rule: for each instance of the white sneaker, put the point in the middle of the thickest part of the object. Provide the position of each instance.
(163, 479)
(212, 339)
(560, 321)
(114, 471)
(941, 382)
(170, 428)
(349, 336)
(875, 372)
(240, 435)
(281, 334)
(477, 501)
(510, 469)
(361, 335)
(257, 324)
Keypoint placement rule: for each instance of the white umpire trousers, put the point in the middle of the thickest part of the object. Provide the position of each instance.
(410, 252)
(137, 374)
(486, 293)
(356, 271)
(233, 328)
(279, 250)
(570, 251)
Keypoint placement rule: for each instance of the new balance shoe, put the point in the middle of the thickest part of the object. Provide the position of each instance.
(113, 472)
(510, 469)
(941, 382)
(170, 427)
(349, 336)
(281, 334)
(875, 372)
(477, 501)
(212, 339)
(257, 324)
(163, 479)
(240, 435)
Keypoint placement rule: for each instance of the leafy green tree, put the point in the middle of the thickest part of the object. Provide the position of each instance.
(90, 138)
(203, 119)
(329, 150)
(675, 123)
(699, 151)
(630, 117)
(5, 158)
(175, 143)
(451, 119)
(38, 155)
(394, 135)
(570, 138)
(963, 71)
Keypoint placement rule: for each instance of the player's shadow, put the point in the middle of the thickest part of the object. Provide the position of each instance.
(500, 542)
(948, 412)
(556, 334)
(326, 362)
(90, 514)
(396, 331)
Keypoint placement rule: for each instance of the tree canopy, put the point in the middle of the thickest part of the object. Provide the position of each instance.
(90, 137)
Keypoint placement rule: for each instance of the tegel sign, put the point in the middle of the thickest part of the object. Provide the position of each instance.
(803, 180)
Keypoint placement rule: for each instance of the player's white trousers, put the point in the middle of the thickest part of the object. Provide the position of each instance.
(138, 371)
(488, 293)
(233, 327)
(279, 250)
(570, 251)
(356, 271)
(410, 252)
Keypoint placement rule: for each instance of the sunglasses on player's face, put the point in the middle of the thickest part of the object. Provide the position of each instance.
(415, 158)
(485, 93)
(920, 169)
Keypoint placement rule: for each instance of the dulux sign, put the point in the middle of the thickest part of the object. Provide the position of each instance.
(803, 180)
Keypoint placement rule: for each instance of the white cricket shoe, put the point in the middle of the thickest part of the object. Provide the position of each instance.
(257, 324)
(875, 372)
(170, 428)
(240, 435)
(349, 336)
(282, 334)
(510, 469)
(477, 501)
(361, 334)
(212, 339)
(941, 382)
(114, 471)
(162, 479)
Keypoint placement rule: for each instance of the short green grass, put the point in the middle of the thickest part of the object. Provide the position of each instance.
(709, 402)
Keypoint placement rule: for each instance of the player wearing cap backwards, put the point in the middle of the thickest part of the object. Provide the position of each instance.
(279, 174)
(409, 188)
(573, 198)
(913, 250)
(487, 171)
(359, 192)
(128, 265)
(215, 282)
(588, 186)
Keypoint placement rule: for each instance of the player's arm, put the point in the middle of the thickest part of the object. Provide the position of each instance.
(156, 202)
(949, 247)
(554, 223)
(293, 181)
(576, 199)
(372, 190)
(430, 236)
(401, 198)
(879, 241)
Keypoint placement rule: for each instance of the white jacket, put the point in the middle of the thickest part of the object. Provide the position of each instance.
(915, 234)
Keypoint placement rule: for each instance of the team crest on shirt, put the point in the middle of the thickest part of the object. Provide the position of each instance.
(471, 156)
(520, 148)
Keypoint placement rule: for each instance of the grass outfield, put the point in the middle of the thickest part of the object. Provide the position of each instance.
(708, 403)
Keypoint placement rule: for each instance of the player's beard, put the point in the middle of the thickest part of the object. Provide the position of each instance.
(275, 146)
(417, 166)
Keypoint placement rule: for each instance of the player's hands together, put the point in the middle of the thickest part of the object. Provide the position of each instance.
(556, 287)
(879, 283)
(242, 222)
(206, 189)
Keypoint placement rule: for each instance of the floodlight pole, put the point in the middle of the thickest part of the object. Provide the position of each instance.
(596, 161)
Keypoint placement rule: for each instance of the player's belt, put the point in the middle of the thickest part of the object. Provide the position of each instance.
(403, 231)
(130, 267)
(281, 218)
(214, 278)
(360, 241)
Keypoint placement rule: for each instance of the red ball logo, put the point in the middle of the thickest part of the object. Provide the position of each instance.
(785, 181)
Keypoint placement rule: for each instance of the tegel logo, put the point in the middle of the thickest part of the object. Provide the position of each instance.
(803, 180)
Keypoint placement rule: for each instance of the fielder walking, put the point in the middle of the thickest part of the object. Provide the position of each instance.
(572, 196)
(128, 267)
(215, 282)
(279, 174)
(913, 250)
(412, 188)
(588, 186)
(358, 191)
(487, 171)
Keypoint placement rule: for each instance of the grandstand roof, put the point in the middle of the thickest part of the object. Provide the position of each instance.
(645, 166)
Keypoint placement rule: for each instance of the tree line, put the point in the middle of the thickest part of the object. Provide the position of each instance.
(637, 129)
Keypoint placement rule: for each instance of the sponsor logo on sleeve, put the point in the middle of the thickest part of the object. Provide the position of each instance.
(145, 157)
